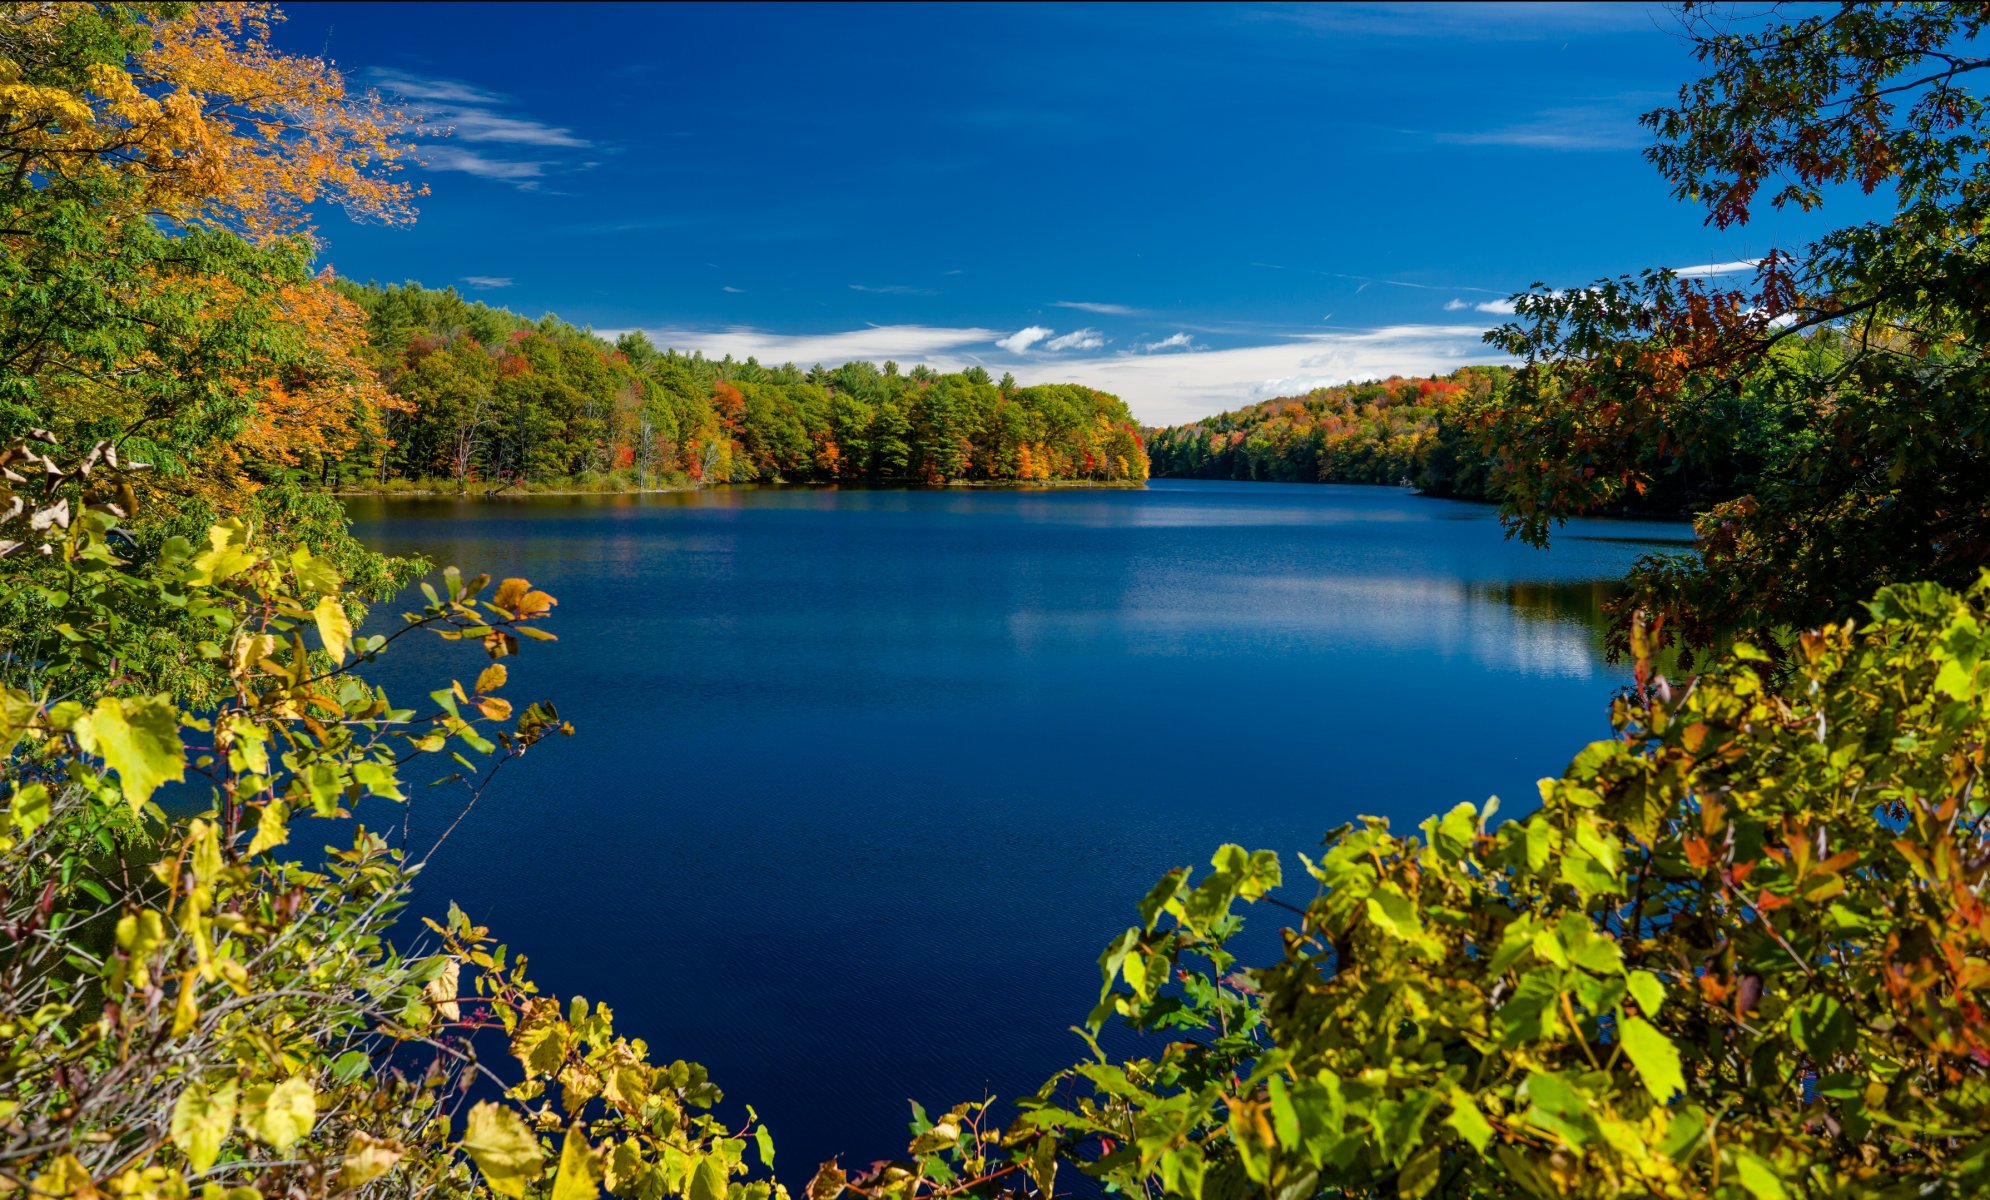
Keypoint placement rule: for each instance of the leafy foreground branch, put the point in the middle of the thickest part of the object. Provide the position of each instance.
(1738, 951)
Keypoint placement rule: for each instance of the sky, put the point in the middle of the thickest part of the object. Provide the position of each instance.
(1193, 207)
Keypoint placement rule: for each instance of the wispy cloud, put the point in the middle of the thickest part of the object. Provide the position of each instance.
(1491, 22)
(940, 347)
(735, 291)
(1092, 306)
(1578, 128)
(1080, 339)
(469, 162)
(1162, 389)
(487, 282)
(1703, 270)
(893, 289)
(1174, 341)
(1023, 339)
(467, 113)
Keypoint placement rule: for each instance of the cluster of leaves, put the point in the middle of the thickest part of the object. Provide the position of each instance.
(1851, 369)
(184, 1006)
(484, 396)
(1741, 950)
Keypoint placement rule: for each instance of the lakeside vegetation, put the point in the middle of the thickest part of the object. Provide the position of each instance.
(480, 397)
(1740, 950)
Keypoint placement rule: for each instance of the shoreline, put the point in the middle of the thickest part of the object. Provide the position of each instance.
(901, 486)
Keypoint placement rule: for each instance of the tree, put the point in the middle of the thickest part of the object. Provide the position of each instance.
(1850, 371)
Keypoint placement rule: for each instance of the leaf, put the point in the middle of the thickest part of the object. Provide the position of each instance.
(763, 1140)
(1419, 1174)
(1468, 1121)
(282, 1114)
(139, 738)
(368, 1158)
(492, 678)
(1394, 913)
(29, 810)
(575, 1180)
(334, 627)
(708, 1182)
(1758, 1177)
(272, 827)
(1655, 1057)
(202, 1117)
(503, 1148)
(1646, 990)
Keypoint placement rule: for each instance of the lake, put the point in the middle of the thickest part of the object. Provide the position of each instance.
(864, 780)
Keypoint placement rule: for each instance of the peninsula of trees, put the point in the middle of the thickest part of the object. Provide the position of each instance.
(481, 396)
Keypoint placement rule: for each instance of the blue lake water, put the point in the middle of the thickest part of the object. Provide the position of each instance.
(864, 780)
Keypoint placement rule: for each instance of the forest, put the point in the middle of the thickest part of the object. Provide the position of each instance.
(479, 397)
(1389, 431)
(1738, 950)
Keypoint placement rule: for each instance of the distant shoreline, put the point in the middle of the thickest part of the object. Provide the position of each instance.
(1036, 485)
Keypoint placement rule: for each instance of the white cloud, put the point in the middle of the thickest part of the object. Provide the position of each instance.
(1499, 308)
(1174, 341)
(1162, 389)
(941, 348)
(1456, 305)
(455, 158)
(487, 282)
(893, 289)
(1093, 306)
(1024, 338)
(1580, 128)
(729, 288)
(1703, 270)
(470, 114)
(1082, 339)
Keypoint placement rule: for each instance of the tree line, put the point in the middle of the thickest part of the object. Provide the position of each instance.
(479, 395)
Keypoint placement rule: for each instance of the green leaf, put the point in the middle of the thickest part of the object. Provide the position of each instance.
(1419, 1174)
(763, 1139)
(1394, 913)
(708, 1182)
(202, 1117)
(280, 1114)
(1758, 1177)
(1468, 1121)
(139, 738)
(503, 1148)
(1655, 1057)
(1646, 990)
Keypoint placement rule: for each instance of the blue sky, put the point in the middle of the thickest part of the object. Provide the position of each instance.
(1194, 207)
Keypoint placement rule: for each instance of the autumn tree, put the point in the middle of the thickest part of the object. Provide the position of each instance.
(1849, 372)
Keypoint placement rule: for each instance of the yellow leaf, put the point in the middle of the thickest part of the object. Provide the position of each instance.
(202, 1117)
(368, 1158)
(334, 627)
(281, 1114)
(575, 1180)
(139, 738)
(492, 678)
(503, 1148)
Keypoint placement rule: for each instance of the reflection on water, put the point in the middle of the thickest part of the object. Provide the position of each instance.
(864, 779)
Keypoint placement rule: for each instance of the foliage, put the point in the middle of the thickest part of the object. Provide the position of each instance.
(1851, 368)
(484, 396)
(1384, 431)
(187, 1007)
(1739, 951)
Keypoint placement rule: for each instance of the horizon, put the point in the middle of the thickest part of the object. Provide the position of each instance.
(1399, 159)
